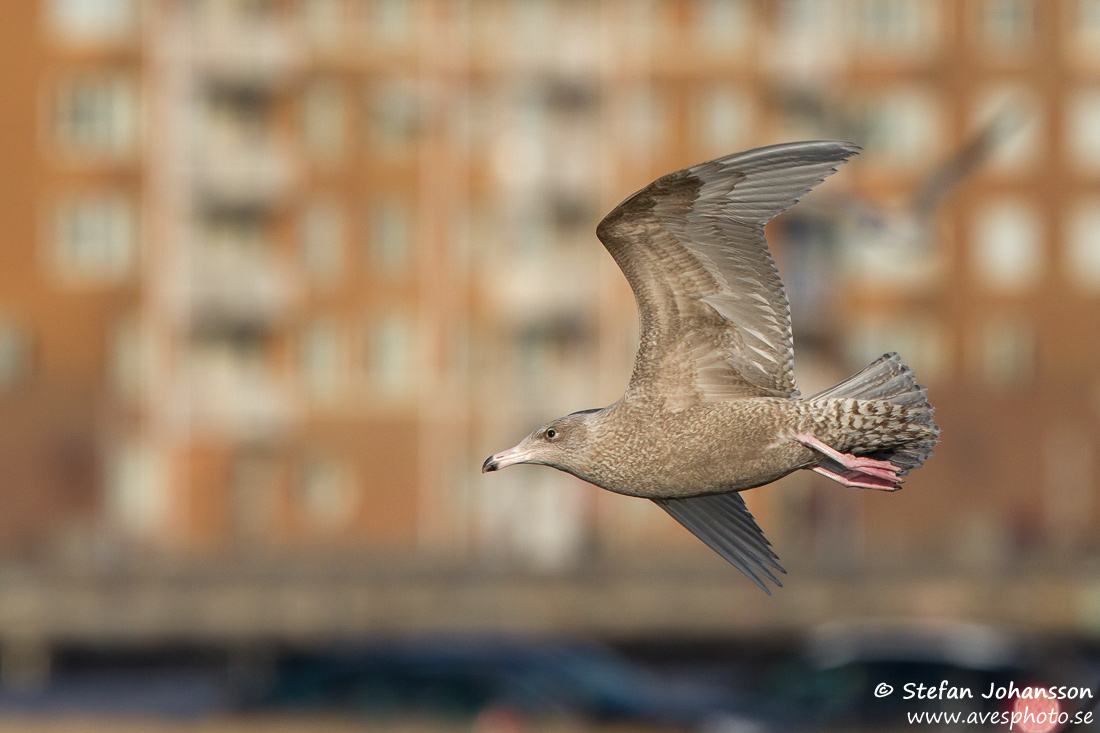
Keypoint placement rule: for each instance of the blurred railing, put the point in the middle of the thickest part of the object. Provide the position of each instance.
(235, 290)
(255, 175)
(234, 402)
(265, 53)
(306, 602)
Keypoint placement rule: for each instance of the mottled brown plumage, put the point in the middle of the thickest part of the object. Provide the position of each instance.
(712, 407)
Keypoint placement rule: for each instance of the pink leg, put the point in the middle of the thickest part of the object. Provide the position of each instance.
(866, 473)
(858, 481)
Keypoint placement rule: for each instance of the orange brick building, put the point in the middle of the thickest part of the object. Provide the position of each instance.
(278, 275)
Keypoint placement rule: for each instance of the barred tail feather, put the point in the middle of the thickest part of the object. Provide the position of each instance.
(889, 380)
(886, 378)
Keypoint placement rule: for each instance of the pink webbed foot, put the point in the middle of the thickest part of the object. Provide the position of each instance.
(858, 480)
(856, 471)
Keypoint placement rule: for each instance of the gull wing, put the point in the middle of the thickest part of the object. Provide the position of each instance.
(724, 523)
(714, 320)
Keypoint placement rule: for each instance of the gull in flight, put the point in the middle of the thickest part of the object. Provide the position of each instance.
(712, 408)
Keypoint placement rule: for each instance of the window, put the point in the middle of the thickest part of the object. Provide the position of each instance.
(91, 21)
(390, 356)
(328, 492)
(322, 358)
(323, 117)
(137, 497)
(324, 21)
(1006, 353)
(484, 232)
(724, 120)
(1084, 28)
(643, 126)
(1006, 25)
(1084, 132)
(15, 355)
(127, 350)
(255, 496)
(236, 14)
(533, 24)
(96, 116)
(533, 234)
(388, 227)
(455, 353)
(94, 238)
(458, 241)
(536, 357)
(1008, 246)
(394, 117)
(390, 21)
(902, 126)
(636, 24)
(1082, 258)
(894, 26)
(725, 24)
(322, 240)
(809, 41)
(460, 120)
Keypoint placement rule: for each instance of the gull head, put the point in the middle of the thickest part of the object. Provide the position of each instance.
(560, 444)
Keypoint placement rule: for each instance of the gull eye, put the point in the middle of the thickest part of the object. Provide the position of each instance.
(551, 434)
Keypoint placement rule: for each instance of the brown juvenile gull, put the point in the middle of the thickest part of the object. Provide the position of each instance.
(712, 408)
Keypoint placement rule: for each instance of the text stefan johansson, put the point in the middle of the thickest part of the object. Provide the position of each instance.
(944, 691)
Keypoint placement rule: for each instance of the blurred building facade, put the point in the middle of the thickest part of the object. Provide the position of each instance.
(280, 274)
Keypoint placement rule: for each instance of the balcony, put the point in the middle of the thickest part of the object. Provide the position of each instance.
(226, 396)
(244, 175)
(521, 292)
(233, 51)
(226, 287)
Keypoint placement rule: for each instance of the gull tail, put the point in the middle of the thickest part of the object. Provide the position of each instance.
(909, 430)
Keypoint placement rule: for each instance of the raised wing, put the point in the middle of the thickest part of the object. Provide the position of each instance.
(714, 320)
(724, 523)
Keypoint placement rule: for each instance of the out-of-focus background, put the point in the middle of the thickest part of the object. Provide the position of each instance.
(276, 276)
